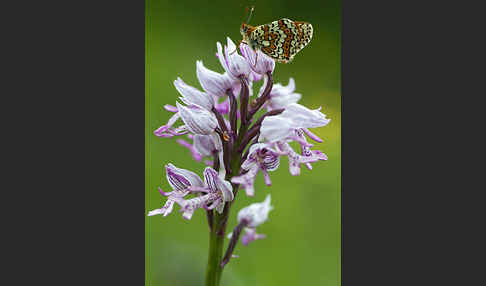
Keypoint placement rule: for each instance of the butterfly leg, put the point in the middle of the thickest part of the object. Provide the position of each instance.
(256, 59)
(239, 43)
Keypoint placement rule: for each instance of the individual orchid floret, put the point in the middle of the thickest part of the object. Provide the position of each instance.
(179, 180)
(295, 160)
(212, 82)
(294, 117)
(260, 158)
(305, 117)
(218, 192)
(234, 64)
(193, 96)
(282, 96)
(305, 146)
(249, 218)
(256, 213)
(258, 61)
(197, 119)
(218, 185)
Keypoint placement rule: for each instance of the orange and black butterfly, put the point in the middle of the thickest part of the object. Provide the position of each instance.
(280, 40)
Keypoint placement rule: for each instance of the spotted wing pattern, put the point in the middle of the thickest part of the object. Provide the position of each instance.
(305, 31)
(282, 39)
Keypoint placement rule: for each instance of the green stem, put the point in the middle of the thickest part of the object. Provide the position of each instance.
(216, 241)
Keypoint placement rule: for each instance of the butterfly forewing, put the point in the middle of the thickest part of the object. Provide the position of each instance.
(282, 39)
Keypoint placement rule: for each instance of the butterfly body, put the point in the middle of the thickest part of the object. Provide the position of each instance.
(280, 40)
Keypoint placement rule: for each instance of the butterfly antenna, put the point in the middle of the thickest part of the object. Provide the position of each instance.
(249, 10)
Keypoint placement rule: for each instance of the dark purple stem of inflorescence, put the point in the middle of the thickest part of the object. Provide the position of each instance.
(232, 114)
(265, 95)
(232, 244)
(244, 97)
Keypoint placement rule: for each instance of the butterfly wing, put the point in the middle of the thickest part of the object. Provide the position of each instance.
(282, 39)
(305, 32)
(267, 39)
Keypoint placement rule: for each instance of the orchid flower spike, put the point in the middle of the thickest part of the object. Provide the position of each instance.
(220, 125)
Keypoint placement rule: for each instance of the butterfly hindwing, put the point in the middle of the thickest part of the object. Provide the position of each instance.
(305, 31)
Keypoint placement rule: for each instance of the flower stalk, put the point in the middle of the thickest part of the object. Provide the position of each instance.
(234, 239)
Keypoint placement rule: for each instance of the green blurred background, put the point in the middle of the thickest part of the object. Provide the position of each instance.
(303, 244)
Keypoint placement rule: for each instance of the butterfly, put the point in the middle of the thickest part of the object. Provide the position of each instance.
(280, 40)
